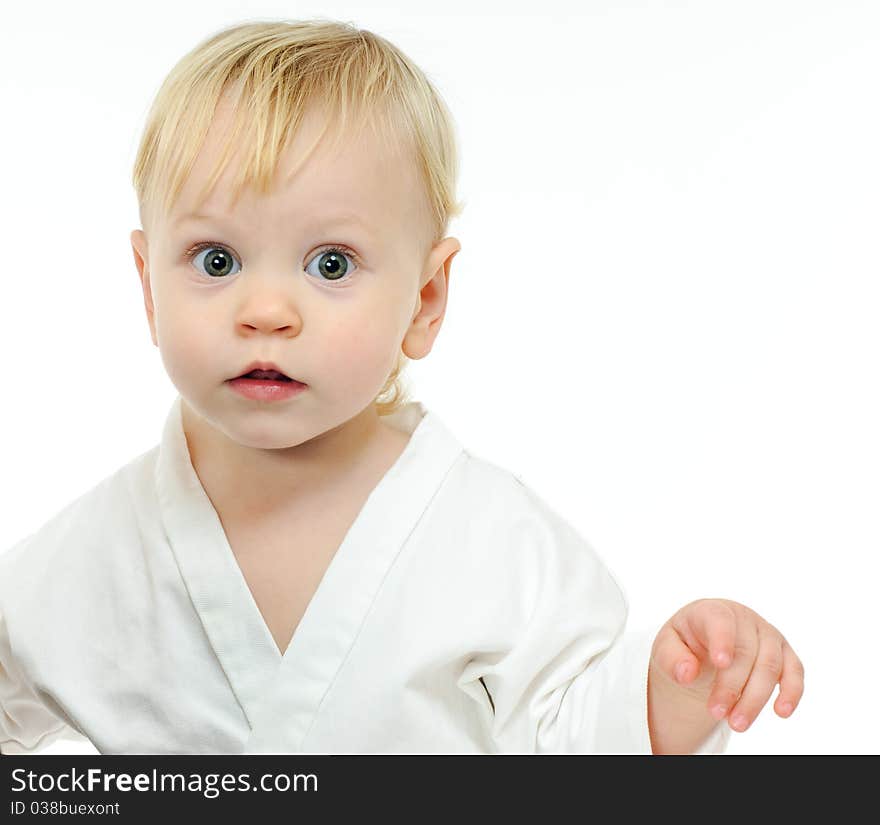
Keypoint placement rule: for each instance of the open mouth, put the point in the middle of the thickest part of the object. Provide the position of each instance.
(266, 375)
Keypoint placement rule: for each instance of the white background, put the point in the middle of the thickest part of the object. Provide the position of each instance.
(663, 317)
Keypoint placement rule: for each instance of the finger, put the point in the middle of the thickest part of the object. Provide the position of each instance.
(791, 685)
(761, 681)
(713, 624)
(731, 681)
(673, 657)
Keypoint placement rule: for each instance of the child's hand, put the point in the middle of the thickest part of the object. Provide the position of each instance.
(726, 656)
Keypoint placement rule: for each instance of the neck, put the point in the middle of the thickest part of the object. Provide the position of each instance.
(252, 481)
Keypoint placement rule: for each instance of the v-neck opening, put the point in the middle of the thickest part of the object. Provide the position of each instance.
(236, 629)
(339, 551)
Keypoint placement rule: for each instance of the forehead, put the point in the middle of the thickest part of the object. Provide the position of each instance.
(361, 181)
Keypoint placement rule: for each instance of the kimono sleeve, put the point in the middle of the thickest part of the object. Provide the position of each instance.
(27, 724)
(565, 676)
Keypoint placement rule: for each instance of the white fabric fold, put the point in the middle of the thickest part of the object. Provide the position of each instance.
(460, 614)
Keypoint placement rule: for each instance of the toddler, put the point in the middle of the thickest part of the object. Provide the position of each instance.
(308, 561)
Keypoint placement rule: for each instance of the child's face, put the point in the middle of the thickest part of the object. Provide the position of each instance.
(270, 293)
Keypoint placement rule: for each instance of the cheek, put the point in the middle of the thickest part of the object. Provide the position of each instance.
(360, 351)
(183, 345)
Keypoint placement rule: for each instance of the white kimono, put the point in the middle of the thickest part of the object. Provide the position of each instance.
(459, 615)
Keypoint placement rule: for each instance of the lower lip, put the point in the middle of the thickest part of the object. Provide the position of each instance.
(258, 390)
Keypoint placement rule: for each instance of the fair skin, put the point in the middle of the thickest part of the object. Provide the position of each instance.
(730, 661)
(266, 297)
(270, 299)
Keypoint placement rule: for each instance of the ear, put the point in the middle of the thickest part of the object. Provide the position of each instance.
(140, 250)
(431, 305)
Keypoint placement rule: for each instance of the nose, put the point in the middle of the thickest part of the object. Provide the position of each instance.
(269, 311)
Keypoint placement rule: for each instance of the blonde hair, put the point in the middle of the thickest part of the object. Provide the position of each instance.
(275, 71)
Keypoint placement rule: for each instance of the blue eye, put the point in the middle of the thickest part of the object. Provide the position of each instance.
(334, 262)
(219, 260)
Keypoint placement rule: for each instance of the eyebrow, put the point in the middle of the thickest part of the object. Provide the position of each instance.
(329, 221)
(193, 216)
